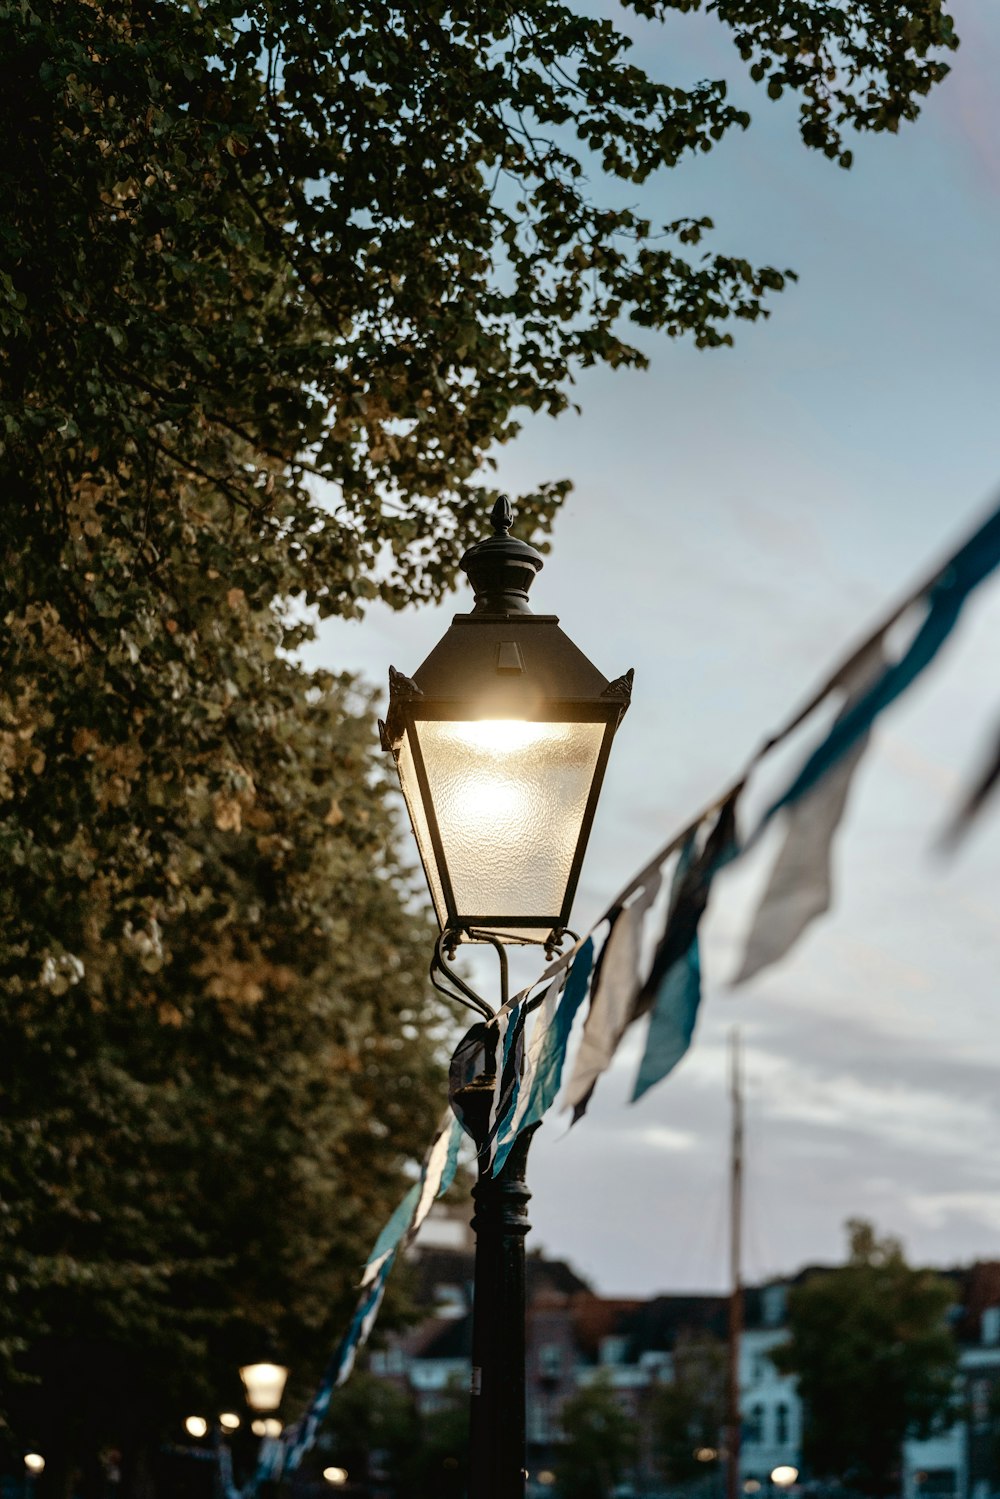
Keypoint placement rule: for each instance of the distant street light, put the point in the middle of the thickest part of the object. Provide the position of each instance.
(266, 1426)
(196, 1426)
(34, 1463)
(229, 1421)
(784, 1475)
(336, 1476)
(264, 1384)
(500, 739)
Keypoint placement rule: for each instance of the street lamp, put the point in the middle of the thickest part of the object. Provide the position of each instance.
(264, 1385)
(500, 739)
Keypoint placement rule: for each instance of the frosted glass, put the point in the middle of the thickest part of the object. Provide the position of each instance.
(510, 797)
(415, 807)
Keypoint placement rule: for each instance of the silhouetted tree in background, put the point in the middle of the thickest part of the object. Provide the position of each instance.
(689, 1413)
(875, 1361)
(599, 1442)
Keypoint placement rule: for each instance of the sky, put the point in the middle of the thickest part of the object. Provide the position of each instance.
(738, 518)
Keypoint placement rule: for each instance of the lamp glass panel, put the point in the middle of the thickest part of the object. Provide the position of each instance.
(510, 797)
(411, 791)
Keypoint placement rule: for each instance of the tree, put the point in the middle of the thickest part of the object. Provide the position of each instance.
(437, 1465)
(202, 1140)
(372, 1427)
(689, 1413)
(274, 283)
(599, 1442)
(875, 1361)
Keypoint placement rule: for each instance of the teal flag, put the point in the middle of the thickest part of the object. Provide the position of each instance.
(677, 994)
(969, 567)
(543, 1085)
(671, 1025)
(397, 1226)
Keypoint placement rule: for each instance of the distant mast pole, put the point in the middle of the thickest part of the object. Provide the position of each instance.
(733, 1431)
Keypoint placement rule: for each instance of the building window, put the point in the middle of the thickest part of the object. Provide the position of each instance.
(754, 1429)
(781, 1425)
(550, 1361)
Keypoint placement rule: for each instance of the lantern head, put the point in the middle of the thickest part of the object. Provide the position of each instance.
(264, 1384)
(501, 739)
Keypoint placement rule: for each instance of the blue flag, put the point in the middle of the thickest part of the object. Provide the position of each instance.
(969, 567)
(543, 1084)
(671, 1025)
(675, 999)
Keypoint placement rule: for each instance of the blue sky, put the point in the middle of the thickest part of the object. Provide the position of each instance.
(738, 517)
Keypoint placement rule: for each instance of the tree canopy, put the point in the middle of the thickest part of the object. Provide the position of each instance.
(689, 1413)
(875, 1361)
(599, 1442)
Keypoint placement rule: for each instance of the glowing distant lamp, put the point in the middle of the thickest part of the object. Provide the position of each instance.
(266, 1426)
(501, 739)
(34, 1463)
(229, 1421)
(264, 1385)
(196, 1426)
(784, 1476)
(335, 1476)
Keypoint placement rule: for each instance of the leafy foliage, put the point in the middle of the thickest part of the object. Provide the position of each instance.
(599, 1442)
(207, 1127)
(875, 1360)
(372, 1426)
(246, 243)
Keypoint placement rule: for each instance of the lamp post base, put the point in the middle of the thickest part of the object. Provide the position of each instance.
(497, 1417)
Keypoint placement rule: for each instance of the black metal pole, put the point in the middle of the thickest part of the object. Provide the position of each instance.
(497, 1426)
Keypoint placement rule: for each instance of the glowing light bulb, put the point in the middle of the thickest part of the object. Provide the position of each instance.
(501, 736)
(196, 1426)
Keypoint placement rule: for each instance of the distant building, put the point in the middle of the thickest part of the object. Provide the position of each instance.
(575, 1336)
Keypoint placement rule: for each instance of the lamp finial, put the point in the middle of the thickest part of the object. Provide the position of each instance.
(501, 569)
(502, 516)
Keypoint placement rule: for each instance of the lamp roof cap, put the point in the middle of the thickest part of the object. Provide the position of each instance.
(501, 568)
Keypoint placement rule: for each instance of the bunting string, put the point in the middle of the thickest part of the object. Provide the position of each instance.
(604, 976)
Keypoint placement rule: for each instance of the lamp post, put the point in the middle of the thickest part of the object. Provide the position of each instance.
(501, 739)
